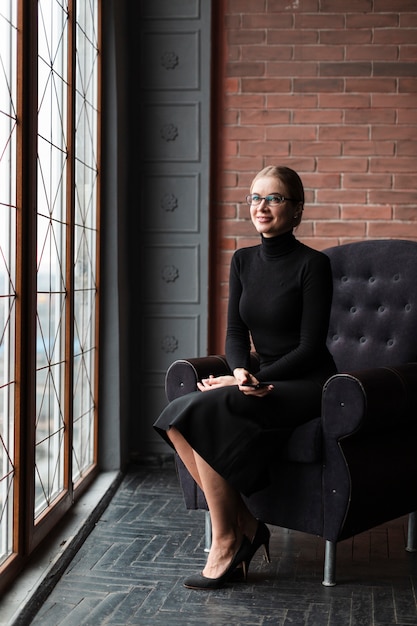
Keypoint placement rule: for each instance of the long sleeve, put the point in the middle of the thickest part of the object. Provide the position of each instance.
(283, 303)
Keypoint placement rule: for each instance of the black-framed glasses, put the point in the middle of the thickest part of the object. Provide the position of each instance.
(272, 200)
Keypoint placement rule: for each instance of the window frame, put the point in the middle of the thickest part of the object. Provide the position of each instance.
(29, 532)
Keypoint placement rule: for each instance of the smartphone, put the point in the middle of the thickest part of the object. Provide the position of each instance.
(255, 385)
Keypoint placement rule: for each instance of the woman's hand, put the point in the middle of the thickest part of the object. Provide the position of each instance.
(215, 382)
(256, 389)
(243, 378)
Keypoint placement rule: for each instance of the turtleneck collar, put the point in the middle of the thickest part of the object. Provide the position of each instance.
(273, 247)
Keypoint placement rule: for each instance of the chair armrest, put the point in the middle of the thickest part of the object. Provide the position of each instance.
(182, 375)
(378, 399)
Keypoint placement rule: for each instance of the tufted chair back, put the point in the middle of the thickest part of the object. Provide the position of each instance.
(374, 313)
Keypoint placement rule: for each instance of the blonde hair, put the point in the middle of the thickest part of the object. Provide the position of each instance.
(290, 179)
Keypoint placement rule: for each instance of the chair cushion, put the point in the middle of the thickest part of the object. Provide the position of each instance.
(305, 443)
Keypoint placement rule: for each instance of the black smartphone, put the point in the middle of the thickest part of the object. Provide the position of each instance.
(255, 385)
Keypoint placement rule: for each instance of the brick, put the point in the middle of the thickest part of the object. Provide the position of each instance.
(358, 68)
(344, 101)
(243, 101)
(406, 213)
(368, 212)
(316, 85)
(394, 69)
(265, 85)
(291, 37)
(393, 196)
(264, 116)
(341, 229)
(308, 6)
(365, 181)
(266, 53)
(316, 148)
(229, 179)
(231, 116)
(321, 212)
(245, 69)
(372, 52)
(245, 6)
(342, 164)
(366, 148)
(319, 21)
(229, 147)
(318, 116)
(321, 243)
(346, 37)
(335, 6)
(407, 85)
(320, 180)
(293, 68)
(227, 243)
(267, 20)
(382, 6)
(395, 36)
(342, 196)
(393, 230)
(246, 37)
(291, 132)
(305, 229)
(373, 20)
(240, 163)
(251, 133)
(371, 84)
(409, 52)
(396, 101)
(231, 85)
(234, 194)
(404, 181)
(398, 164)
(318, 53)
(407, 148)
(408, 20)
(370, 116)
(253, 148)
(331, 133)
(292, 101)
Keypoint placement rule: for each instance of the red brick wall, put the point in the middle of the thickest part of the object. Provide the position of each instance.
(328, 87)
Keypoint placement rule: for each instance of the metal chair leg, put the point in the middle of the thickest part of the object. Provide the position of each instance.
(207, 532)
(329, 579)
(412, 532)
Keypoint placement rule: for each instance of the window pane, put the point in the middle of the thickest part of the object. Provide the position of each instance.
(8, 32)
(85, 234)
(51, 245)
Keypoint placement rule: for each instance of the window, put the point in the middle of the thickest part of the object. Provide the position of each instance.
(49, 162)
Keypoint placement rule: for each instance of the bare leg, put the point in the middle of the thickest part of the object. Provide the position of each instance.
(186, 454)
(230, 517)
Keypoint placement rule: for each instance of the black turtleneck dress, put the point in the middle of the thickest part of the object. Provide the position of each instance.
(279, 297)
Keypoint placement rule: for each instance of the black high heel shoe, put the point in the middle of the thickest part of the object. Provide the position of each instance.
(261, 538)
(199, 581)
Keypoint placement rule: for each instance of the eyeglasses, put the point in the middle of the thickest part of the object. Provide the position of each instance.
(272, 200)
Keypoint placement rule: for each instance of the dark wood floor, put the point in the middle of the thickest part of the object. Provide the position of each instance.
(130, 570)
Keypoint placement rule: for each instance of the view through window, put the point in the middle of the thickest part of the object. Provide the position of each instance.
(48, 366)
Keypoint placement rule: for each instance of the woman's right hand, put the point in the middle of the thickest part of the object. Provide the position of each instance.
(215, 382)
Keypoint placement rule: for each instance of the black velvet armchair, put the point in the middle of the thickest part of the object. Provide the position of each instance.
(354, 466)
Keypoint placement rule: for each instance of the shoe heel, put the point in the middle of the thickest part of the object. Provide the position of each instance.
(267, 555)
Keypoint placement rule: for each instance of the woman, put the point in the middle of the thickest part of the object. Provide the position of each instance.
(279, 298)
